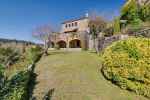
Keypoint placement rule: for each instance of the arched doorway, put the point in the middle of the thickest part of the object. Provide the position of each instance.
(61, 44)
(76, 43)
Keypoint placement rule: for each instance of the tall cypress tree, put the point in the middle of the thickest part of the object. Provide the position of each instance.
(116, 26)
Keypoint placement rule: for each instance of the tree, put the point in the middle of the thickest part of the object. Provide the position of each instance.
(43, 33)
(97, 24)
(145, 12)
(130, 12)
(116, 26)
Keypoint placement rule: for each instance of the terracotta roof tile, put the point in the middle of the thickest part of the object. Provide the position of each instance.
(74, 20)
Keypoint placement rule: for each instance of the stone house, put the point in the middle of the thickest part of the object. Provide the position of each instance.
(73, 34)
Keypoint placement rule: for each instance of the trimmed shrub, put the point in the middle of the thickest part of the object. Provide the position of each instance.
(127, 64)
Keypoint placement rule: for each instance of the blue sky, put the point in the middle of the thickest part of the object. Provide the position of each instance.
(19, 17)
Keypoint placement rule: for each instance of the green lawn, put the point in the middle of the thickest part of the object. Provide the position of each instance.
(76, 76)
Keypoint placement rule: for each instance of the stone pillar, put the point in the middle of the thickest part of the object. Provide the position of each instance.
(67, 41)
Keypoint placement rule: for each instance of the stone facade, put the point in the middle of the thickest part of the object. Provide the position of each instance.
(73, 34)
(77, 25)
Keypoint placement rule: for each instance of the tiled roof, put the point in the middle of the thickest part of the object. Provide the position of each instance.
(75, 20)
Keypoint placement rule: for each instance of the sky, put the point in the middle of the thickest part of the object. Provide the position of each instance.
(19, 17)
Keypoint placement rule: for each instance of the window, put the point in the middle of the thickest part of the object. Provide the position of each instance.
(76, 23)
(69, 25)
(66, 26)
(72, 24)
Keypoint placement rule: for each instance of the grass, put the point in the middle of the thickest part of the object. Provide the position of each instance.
(76, 76)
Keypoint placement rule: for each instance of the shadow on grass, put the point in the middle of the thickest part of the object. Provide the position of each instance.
(32, 84)
(49, 94)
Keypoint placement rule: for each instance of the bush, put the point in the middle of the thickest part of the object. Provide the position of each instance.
(1, 76)
(33, 54)
(145, 12)
(8, 56)
(127, 64)
(16, 88)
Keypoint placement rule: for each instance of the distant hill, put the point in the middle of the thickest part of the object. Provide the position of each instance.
(17, 44)
(2, 40)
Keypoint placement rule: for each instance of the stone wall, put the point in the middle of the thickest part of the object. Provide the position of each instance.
(103, 42)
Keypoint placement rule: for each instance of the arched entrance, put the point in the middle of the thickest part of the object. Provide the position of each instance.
(76, 43)
(62, 44)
